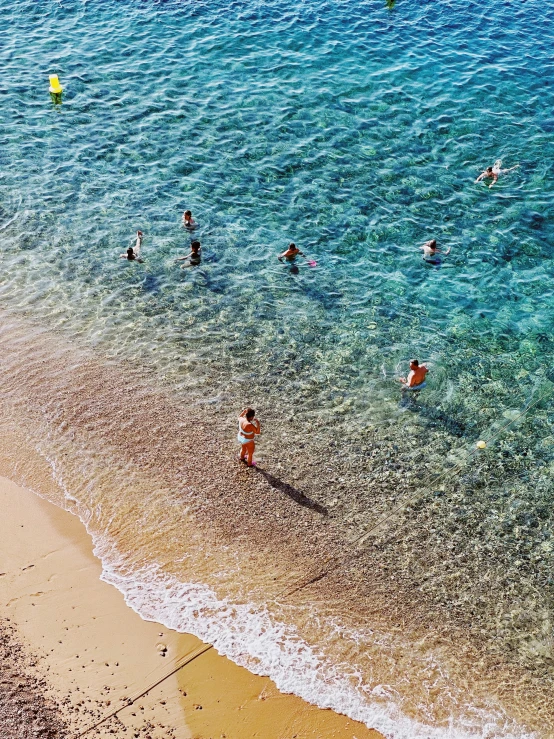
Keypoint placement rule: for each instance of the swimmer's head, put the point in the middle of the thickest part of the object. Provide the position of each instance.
(139, 233)
(195, 245)
(489, 169)
(250, 413)
(188, 214)
(414, 363)
(292, 246)
(130, 253)
(433, 244)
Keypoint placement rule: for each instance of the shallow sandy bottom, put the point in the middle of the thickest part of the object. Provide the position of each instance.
(99, 655)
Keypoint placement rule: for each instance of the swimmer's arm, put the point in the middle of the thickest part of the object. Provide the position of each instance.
(410, 377)
(480, 177)
(406, 380)
(282, 256)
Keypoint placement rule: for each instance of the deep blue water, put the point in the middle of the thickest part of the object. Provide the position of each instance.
(355, 130)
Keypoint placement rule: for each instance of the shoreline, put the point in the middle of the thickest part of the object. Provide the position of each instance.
(74, 414)
(97, 654)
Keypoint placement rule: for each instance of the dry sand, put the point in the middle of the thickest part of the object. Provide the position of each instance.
(98, 655)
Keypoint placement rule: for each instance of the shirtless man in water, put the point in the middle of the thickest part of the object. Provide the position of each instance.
(416, 376)
(493, 172)
(291, 253)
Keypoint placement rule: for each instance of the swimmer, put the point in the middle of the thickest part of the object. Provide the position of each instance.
(493, 172)
(249, 427)
(188, 220)
(291, 253)
(194, 257)
(430, 250)
(133, 254)
(416, 376)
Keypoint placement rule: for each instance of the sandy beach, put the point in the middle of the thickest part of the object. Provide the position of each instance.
(390, 556)
(271, 556)
(92, 659)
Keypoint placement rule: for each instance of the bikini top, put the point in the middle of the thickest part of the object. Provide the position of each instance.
(244, 433)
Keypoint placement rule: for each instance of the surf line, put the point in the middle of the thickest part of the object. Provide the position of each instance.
(321, 573)
(187, 660)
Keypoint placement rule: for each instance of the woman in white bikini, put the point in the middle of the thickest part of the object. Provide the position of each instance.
(249, 427)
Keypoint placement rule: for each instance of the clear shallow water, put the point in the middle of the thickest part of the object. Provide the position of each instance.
(357, 132)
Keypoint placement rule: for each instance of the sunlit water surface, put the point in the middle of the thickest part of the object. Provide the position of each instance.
(357, 131)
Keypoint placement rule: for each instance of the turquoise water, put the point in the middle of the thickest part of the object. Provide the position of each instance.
(355, 130)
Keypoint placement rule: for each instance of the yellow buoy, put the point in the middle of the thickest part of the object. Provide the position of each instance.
(481, 444)
(55, 87)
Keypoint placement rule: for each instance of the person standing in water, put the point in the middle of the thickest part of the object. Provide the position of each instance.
(291, 253)
(249, 427)
(194, 257)
(416, 376)
(188, 220)
(492, 173)
(430, 250)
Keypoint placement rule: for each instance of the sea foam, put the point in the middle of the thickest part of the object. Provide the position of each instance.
(252, 637)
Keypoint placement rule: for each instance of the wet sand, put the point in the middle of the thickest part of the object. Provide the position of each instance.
(133, 456)
(92, 656)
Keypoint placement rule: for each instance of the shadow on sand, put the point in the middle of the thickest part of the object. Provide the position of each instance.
(293, 493)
